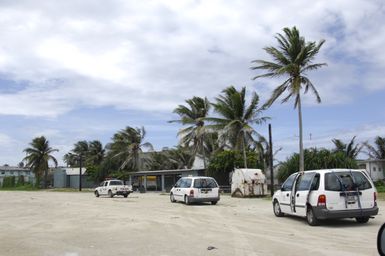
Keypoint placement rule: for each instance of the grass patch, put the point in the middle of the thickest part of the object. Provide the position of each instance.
(86, 190)
(20, 188)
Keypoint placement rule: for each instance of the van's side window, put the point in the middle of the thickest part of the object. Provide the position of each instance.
(288, 183)
(304, 181)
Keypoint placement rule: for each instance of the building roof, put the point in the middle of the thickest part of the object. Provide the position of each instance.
(14, 168)
(165, 171)
(72, 171)
(370, 160)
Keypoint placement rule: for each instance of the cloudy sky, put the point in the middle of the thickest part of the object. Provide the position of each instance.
(82, 70)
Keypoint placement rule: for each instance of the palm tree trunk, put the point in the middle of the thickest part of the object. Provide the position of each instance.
(301, 156)
(45, 178)
(203, 151)
(244, 149)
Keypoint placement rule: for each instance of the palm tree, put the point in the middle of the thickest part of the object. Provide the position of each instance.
(350, 150)
(95, 153)
(235, 118)
(377, 151)
(193, 116)
(293, 58)
(127, 148)
(38, 156)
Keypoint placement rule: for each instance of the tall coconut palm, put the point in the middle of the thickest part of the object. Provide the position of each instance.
(127, 146)
(193, 116)
(38, 155)
(95, 152)
(292, 59)
(81, 149)
(236, 118)
(351, 149)
(378, 150)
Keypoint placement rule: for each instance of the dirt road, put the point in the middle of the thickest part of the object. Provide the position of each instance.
(78, 224)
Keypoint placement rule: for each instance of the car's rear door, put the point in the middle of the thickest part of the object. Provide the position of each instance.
(206, 188)
(346, 190)
(302, 191)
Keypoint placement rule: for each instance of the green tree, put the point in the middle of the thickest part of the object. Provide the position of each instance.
(192, 117)
(378, 150)
(224, 162)
(292, 59)
(38, 155)
(316, 159)
(127, 148)
(350, 150)
(235, 120)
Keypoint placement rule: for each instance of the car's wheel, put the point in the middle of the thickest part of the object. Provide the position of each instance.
(277, 209)
(172, 198)
(186, 200)
(97, 193)
(214, 202)
(125, 195)
(110, 193)
(311, 218)
(362, 219)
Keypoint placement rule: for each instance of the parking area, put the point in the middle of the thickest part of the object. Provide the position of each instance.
(76, 224)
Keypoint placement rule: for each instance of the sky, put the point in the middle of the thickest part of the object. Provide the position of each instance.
(83, 70)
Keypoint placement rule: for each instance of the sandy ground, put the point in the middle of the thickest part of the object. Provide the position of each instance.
(77, 224)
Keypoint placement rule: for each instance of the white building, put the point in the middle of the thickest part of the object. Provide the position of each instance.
(375, 168)
(9, 171)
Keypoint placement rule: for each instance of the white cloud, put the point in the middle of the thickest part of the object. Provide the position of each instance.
(131, 55)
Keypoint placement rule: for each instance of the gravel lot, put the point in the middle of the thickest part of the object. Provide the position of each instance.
(77, 224)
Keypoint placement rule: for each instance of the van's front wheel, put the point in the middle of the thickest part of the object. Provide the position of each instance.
(362, 219)
(311, 218)
(277, 209)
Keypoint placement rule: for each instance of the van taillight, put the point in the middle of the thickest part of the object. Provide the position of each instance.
(375, 198)
(192, 192)
(321, 200)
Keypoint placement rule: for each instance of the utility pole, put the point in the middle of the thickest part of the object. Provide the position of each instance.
(80, 172)
(271, 162)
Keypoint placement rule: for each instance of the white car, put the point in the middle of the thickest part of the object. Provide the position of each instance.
(327, 194)
(195, 189)
(112, 188)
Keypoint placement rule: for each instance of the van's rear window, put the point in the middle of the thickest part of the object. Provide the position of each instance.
(345, 181)
(205, 183)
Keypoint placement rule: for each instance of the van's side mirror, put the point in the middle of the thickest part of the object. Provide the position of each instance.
(176, 185)
(381, 240)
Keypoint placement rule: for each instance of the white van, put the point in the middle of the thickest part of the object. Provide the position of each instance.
(195, 189)
(327, 194)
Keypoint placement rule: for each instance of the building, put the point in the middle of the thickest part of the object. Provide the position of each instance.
(9, 171)
(162, 180)
(65, 177)
(374, 167)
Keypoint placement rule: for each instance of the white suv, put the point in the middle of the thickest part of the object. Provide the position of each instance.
(327, 194)
(195, 189)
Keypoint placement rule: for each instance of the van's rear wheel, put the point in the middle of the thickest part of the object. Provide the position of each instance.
(362, 219)
(96, 193)
(311, 218)
(277, 209)
(110, 193)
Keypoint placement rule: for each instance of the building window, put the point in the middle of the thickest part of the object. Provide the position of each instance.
(2, 172)
(11, 172)
(374, 169)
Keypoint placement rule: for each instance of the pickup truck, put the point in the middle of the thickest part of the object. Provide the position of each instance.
(112, 188)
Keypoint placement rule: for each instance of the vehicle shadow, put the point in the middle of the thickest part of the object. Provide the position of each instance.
(332, 223)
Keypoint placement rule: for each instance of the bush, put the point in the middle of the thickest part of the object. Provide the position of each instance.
(315, 159)
(9, 182)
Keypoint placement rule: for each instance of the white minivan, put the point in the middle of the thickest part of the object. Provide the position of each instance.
(327, 194)
(195, 189)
